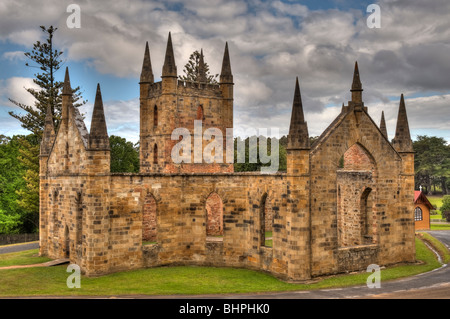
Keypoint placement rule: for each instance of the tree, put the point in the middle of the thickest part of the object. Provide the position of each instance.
(48, 61)
(445, 209)
(431, 162)
(48, 96)
(11, 179)
(192, 69)
(124, 155)
(251, 148)
(28, 194)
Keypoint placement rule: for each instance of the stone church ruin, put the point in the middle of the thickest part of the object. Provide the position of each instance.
(345, 202)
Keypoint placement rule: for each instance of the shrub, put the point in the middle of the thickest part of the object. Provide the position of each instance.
(446, 215)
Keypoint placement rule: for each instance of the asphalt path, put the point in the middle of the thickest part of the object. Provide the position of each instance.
(430, 285)
(18, 247)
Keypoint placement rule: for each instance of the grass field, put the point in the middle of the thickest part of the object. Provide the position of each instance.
(438, 226)
(176, 280)
(437, 202)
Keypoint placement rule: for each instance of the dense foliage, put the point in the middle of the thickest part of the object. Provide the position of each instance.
(432, 164)
(124, 155)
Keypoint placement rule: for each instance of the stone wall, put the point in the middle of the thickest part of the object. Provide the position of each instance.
(390, 222)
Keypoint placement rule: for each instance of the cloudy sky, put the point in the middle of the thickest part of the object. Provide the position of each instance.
(270, 43)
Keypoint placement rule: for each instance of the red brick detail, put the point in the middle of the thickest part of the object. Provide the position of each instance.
(214, 218)
(356, 158)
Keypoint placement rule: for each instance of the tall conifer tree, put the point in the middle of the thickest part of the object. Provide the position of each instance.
(47, 97)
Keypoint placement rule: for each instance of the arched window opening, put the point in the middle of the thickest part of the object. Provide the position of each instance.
(200, 115)
(418, 214)
(367, 217)
(79, 218)
(67, 243)
(155, 116)
(155, 154)
(214, 215)
(266, 222)
(149, 223)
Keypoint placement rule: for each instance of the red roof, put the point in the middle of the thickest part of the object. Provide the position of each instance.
(418, 195)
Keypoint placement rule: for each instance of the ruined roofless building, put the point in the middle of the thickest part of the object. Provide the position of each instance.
(345, 202)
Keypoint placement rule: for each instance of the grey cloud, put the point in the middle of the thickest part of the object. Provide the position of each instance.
(270, 44)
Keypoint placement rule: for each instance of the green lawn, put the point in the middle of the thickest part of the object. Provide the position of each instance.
(435, 200)
(439, 226)
(440, 247)
(27, 257)
(176, 280)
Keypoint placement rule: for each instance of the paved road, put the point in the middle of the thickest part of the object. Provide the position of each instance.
(430, 285)
(18, 247)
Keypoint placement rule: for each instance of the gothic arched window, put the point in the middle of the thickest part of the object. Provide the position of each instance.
(418, 214)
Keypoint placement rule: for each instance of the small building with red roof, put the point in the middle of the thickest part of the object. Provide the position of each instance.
(422, 207)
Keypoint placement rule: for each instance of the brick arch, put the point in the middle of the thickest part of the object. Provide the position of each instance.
(200, 113)
(357, 157)
(222, 194)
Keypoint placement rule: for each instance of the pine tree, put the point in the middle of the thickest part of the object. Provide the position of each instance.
(48, 61)
(193, 70)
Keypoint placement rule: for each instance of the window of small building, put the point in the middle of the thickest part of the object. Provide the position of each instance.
(155, 116)
(418, 214)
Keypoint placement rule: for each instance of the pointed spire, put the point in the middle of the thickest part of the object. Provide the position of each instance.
(226, 76)
(98, 135)
(356, 86)
(201, 77)
(66, 104)
(169, 67)
(402, 140)
(383, 125)
(48, 135)
(67, 90)
(298, 137)
(147, 72)
(297, 106)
